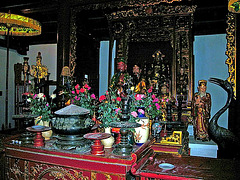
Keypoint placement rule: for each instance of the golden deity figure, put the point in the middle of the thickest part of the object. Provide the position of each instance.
(39, 71)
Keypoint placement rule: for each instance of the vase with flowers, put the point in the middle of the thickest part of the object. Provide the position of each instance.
(151, 107)
(40, 107)
(109, 109)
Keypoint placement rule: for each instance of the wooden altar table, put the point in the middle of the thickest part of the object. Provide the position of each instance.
(185, 167)
(28, 162)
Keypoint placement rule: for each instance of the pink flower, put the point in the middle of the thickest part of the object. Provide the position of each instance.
(157, 106)
(93, 96)
(118, 109)
(102, 97)
(139, 97)
(34, 96)
(82, 90)
(47, 104)
(118, 99)
(134, 114)
(106, 92)
(73, 92)
(141, 111)
(155, 100)
(77, 98)
(153, 96)
(149, 90)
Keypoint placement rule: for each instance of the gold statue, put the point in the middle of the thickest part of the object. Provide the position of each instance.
(39, 71)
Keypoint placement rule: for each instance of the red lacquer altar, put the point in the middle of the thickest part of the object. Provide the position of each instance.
(29, 162)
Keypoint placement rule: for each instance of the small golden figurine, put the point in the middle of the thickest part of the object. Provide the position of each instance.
(39, 71)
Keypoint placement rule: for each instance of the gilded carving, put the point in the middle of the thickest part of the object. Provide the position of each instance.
(146, 21)
(108, 177)
(164, 24)
(60, 173)
(231, 50)
(156, 11)
(93, 175)
(73, 43)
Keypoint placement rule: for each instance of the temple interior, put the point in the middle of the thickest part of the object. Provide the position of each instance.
(123, 89)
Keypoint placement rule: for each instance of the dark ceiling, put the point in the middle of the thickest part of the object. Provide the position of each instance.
(209, 18)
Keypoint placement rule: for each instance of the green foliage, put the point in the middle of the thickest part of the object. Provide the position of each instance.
(109, 108)
(39, 106)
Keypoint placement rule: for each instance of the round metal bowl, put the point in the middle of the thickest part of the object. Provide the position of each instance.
(72, 125)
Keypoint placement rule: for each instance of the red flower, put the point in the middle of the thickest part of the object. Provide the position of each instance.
(118, 99)
(77, 91)
(149, 90)
(86, 86)
(77, 86)
(82, 90)
(102, 97)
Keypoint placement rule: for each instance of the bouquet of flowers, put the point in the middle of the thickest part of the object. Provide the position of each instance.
(81, 96)
(109, 108)
(147, 103)
(40, 107)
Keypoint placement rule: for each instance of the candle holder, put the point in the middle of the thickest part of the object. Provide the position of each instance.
(38, 140)
(97, 148)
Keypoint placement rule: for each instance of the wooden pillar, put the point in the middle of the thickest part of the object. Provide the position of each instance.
(234, 109)
(63, 39)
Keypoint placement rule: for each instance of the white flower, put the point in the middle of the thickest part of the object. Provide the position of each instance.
(53, 96)
(28, 100)
(40, 95)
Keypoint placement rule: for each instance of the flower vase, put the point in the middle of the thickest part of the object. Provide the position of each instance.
(107, 143)
(47, 134)
(141, 109)
(142, 133)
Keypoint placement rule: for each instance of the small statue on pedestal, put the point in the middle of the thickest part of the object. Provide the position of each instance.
(39, 72)
(201, 108)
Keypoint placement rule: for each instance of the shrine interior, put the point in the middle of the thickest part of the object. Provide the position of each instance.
(95, 64)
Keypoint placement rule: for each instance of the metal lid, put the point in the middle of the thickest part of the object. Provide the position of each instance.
(72, 110)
